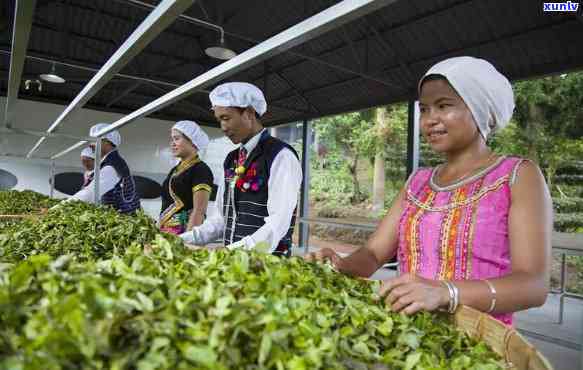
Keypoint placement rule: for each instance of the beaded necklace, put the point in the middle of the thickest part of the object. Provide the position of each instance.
(468, 175)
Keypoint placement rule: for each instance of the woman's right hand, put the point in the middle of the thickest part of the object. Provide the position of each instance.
(326, 254)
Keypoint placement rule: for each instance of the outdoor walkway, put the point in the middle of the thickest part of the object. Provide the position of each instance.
(560, 344)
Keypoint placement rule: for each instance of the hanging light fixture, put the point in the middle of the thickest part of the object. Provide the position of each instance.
(220, 51)
(52, 76)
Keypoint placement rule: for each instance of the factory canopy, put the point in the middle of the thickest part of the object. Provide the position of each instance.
(376, 59)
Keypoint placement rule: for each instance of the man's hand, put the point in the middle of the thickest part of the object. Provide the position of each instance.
(187, 237)
(236, 245)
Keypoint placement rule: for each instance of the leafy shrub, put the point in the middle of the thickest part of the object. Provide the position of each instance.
(573, 168)
(569, 179)
(569, 222)
(568, 205)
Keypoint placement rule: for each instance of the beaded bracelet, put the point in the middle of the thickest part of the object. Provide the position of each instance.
(493, 291)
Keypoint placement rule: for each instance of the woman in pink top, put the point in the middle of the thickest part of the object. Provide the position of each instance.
(475, 230)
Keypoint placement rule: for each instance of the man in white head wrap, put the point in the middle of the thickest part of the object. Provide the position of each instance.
(188, 187)
(88, 163)
(116, 186)
(257, 200)
(487, 93)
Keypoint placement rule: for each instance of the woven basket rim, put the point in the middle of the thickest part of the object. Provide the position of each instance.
(505, 340)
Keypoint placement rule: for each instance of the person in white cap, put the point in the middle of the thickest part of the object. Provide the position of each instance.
(88, 163)
(188, 186)
(116, 185)
(475, 230)
(256, 202)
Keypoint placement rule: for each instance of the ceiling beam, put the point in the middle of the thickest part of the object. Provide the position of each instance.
(17, 131)
(200, 4)
(355, 55)
(121, 76)
(208, 112)
(298, 93)
(318, 58)
(390, 49)
(76, 64)
(432, 58)
(252, 41)
(112, 45)
(148, 30)
(185, 102)
(125, 93)
(20, 35)
(160, 67)
(304, 31)
(156, 22)
(69, 149)
(160, 115)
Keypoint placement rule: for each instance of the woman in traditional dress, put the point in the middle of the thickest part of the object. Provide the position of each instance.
(475, 230)
(88, 163)
(186, 190)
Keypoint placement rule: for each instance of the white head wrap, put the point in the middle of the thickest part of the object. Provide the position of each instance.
(487, 93)
(193, 132)
(114, 137)
(88, 152)
(239, 94)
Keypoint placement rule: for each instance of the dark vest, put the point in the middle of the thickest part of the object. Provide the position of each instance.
(123, 197)
(251, 204)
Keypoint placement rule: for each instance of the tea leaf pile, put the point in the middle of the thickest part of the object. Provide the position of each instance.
(82, 229)
(91, 300)
(23, 202)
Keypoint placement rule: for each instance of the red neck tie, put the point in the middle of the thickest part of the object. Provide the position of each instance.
(242, 156)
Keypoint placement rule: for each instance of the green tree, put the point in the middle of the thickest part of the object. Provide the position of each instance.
(549, 121)
(378, 187)
(345, 137)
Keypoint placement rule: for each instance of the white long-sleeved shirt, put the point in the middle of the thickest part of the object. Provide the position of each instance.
(284, 183)
(108, 178)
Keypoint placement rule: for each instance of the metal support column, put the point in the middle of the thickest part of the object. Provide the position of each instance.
(305, 193)
(96, 169)
(412, 137)
(563, 287)
(581, 341)
(52, 179)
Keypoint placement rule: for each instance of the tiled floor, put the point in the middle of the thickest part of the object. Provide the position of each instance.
(542, 322)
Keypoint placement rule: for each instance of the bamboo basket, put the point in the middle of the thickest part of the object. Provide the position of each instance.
(21, 217)
(17, 217)
(506, 341)
(38, 213)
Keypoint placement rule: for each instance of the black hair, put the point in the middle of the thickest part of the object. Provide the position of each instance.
(432, 77)
(437, 77)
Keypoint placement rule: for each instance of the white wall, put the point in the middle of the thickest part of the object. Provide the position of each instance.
(144, 146)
